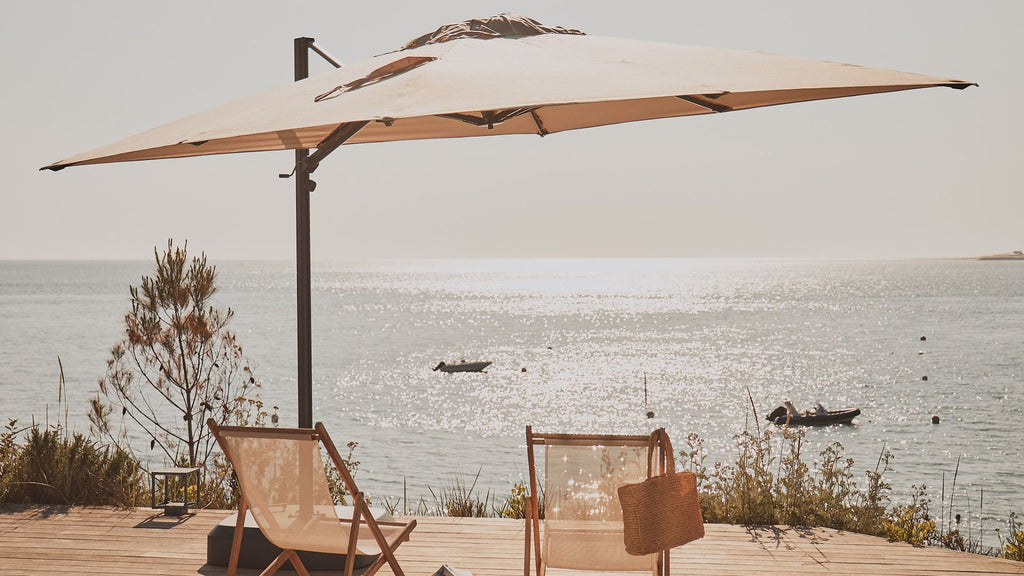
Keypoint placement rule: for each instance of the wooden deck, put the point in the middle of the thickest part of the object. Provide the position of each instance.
(36, 541)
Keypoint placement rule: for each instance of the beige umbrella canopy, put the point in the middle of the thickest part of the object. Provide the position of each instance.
(502, 75)
(520, 78)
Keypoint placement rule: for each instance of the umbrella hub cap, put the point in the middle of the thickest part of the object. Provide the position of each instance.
(499, 26)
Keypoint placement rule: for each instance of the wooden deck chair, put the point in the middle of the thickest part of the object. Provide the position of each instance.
(582, 528)
(284, 486)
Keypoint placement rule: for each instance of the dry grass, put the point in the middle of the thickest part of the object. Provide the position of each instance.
(54, 467)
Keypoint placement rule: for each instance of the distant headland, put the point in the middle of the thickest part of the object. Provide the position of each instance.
(1015, 255)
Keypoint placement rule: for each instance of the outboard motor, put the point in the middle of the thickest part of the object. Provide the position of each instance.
(778, 413)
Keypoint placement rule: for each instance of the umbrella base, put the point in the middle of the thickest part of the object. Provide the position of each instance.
(257, 552)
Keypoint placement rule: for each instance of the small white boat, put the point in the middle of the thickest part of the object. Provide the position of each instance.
(462, 367)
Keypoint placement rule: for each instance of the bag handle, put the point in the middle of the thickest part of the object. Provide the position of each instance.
(666, 458)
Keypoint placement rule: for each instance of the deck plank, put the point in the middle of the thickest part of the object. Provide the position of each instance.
(37, 541)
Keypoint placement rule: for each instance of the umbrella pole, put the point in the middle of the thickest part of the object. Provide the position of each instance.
(302, 284)
(303, 289)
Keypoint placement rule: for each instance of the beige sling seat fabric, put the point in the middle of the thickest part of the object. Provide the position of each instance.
(284, 485)
(582, 524)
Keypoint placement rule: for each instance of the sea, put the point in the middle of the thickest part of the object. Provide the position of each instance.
(587, 346)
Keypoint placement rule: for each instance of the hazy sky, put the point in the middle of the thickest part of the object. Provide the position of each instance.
(923, 173)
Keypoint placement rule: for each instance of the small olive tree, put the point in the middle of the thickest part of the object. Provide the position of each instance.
(177, 365)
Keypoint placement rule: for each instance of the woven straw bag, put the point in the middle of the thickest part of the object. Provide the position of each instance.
(663, 511)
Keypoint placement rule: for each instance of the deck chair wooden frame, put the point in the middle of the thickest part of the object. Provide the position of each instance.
(362, 518)
(533, 526)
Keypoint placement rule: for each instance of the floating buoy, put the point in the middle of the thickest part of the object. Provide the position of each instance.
(925, 378)
(935, 419)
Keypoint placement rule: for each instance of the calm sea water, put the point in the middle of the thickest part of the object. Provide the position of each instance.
(572, 342)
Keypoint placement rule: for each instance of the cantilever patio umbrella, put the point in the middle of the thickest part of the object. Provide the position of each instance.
(502, 75)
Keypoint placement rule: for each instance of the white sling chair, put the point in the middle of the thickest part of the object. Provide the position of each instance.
(284, 486)
(582, 525)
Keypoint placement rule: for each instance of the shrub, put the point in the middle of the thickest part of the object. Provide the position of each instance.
(8, 458)
(824, 494)
(53, 467)
(744, 493)
(910, 523)
(339, 491)
(1013, 545)
(515, 503)
(872, 506)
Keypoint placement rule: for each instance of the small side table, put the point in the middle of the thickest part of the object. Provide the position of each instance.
(184, 478)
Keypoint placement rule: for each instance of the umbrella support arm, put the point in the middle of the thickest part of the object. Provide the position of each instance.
(706, 101)
(303, 187)
(491, 117)
(332, 142)
(312, 45)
